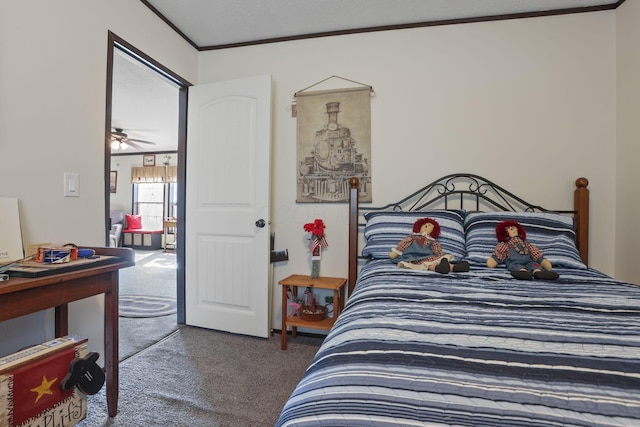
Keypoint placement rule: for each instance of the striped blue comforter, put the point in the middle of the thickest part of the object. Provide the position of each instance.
(476, 349)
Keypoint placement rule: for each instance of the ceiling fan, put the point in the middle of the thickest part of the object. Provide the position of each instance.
(121, 141)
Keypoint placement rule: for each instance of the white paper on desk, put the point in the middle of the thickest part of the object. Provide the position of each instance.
(11, 248)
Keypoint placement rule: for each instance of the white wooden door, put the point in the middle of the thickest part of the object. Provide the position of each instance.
(227, 232)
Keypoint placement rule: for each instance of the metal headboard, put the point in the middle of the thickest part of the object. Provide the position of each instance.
(469, 192)
(462, 191)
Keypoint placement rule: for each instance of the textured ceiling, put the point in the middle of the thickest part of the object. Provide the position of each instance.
(219, 23)
(144, 105)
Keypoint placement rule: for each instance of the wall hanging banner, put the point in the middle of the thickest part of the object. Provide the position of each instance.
(333, 144)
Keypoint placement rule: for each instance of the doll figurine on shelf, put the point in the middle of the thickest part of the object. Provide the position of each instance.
(523, 259)
(421, 250)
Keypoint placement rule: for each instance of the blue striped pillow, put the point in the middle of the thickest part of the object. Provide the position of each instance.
(553, 234)
(384, 230)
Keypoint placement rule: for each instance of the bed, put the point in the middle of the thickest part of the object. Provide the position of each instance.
(416, 348)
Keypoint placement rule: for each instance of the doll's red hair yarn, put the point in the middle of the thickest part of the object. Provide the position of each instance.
(501, 230)
(422, 221)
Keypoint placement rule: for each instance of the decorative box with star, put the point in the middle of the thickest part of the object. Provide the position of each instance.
(30, 392)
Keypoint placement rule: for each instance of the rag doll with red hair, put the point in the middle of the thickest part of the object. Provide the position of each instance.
(523, 259)
(422, 251)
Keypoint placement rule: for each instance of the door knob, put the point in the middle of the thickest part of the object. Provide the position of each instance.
(260, 223)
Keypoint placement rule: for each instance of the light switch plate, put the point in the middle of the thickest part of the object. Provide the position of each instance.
(71, 184)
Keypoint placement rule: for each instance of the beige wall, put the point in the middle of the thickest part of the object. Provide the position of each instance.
(627, 232)
(527, 103)
(52, 117)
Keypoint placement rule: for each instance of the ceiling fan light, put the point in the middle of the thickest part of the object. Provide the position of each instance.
(123, 146)
(115, 145)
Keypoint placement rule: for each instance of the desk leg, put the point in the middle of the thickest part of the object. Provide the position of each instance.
(61, 316)
(111, 344)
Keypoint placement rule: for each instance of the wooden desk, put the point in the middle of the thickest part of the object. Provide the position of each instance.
(20, 296)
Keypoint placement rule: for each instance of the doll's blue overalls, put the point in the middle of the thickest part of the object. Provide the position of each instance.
(518, 261)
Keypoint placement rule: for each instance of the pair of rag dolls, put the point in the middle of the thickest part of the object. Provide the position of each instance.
(422, 251)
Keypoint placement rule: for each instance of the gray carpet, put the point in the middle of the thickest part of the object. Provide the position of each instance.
(202, 378)
(173, 375)
(136, 334)
(155, 275)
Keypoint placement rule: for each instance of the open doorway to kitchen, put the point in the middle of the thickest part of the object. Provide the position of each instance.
(145, 134)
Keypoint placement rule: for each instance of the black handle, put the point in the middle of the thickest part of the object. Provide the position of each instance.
(260, 223)
(85, 374)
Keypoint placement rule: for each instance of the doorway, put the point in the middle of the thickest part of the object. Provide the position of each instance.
(147, 147)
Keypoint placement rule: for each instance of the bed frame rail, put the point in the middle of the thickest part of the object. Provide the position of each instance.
(470, 192)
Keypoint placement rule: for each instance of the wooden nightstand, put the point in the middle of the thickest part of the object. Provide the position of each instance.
(295, 281)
